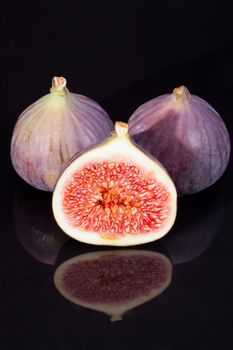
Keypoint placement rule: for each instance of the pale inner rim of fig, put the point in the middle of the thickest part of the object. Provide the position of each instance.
(115, 199)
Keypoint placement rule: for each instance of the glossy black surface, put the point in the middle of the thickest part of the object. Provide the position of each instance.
(121, 53)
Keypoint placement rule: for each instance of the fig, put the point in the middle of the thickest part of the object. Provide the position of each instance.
(35, 226)
(114, 194)
(54, 128)
(187, 136)
(113, 282)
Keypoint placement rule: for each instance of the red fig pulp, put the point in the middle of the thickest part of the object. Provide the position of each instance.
(114, 194)
(53, 129)
(186, 135)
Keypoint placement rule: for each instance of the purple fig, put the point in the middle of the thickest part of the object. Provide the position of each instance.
(186, 135)
(53, 129)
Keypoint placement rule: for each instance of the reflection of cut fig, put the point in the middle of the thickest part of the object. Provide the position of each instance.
(198, 222)
(113, 282)
(35, 226)
(114, 194)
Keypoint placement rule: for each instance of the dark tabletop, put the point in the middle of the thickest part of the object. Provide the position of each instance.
(120, 53)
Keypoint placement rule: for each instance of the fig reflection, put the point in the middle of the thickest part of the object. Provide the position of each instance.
(35, 226)
(115, 281)
(198, 222)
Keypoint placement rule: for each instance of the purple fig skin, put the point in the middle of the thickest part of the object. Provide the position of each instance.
(186, 135)
(50, 131)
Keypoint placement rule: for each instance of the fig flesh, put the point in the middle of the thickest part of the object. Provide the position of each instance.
(114, 194)
(53, 129)
(187, 136)
(113, 282)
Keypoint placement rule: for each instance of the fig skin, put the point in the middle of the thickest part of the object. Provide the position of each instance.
(54, 128)
(109, 275)
(186, 135)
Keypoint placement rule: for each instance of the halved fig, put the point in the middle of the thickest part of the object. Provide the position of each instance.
(115, 194)
(113, 282)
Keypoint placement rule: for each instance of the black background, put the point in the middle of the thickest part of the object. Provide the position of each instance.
(120, 53)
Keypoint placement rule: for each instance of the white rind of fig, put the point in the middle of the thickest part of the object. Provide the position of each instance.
(117, 148)
(118, 309)
(54, 128)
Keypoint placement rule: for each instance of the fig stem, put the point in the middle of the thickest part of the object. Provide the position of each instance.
(58, 85)
(181, 93)
(121, 129)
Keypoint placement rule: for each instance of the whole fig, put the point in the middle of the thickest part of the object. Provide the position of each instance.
(186, 135)
(54, 128)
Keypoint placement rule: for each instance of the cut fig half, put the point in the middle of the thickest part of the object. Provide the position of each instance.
(115, 194)
(113, 282)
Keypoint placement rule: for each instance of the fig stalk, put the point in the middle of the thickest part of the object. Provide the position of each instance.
(58, 85)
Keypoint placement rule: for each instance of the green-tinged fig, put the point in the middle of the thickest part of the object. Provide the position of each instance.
(50, 131)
